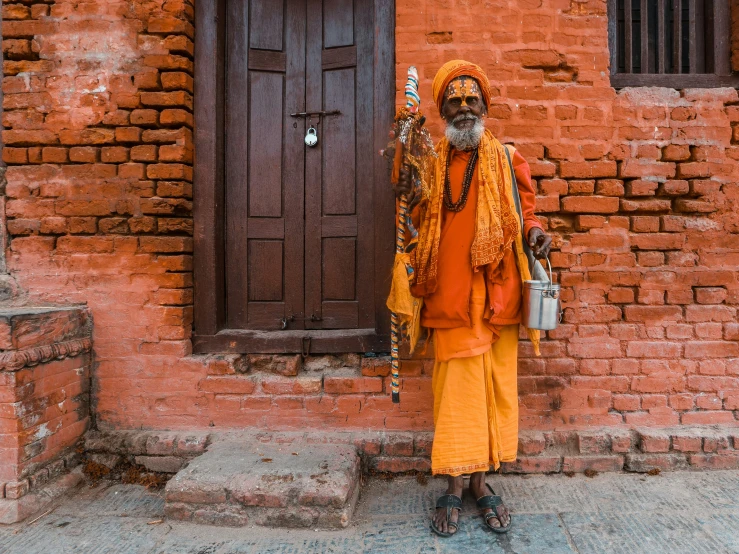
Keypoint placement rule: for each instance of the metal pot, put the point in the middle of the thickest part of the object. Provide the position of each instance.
(541, 305)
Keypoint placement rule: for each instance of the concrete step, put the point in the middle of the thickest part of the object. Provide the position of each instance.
(240, 482)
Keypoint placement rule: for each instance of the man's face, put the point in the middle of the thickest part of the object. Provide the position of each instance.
(463, 97)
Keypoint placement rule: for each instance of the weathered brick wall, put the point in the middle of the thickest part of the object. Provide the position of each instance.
(44, 394)
(639, 188)
(98, 118)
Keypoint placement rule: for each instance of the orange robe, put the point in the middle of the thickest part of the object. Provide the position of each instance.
(449, 306)
(475, 317)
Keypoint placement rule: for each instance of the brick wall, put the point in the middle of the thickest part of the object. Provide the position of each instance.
(44, 395)
(98, 140)
(638, 187)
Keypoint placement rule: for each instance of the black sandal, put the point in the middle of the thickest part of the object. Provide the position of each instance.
(450, 502)
(493, 502)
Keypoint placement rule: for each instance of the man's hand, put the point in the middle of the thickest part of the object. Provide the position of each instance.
(540, 243)
(404, 185)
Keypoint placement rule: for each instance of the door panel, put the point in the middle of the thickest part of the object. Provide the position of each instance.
(339, 143)
(338, 23)
(265, 148)
(265, 284)
(339, 36)
(264, 162)
(339, 255)
(267, 24)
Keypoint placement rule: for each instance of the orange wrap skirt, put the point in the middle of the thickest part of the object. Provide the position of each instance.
(476, 408)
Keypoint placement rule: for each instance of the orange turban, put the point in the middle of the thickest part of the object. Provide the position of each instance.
(456, 68)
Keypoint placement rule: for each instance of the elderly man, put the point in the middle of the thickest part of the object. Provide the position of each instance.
(469, 269)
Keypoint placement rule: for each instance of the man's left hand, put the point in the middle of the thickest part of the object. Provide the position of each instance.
(540, 243)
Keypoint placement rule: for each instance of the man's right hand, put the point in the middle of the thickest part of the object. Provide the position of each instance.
(405, 187)
(404, 182)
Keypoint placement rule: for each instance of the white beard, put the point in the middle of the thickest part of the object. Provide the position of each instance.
(465, 139)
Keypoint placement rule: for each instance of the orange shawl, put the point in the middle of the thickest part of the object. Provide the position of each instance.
(497, 226)
(496, 223)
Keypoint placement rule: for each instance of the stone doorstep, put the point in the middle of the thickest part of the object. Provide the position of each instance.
(242, 482)
(13, 511)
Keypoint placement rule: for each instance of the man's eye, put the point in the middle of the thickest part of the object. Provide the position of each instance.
(472, 100)
(455, 101)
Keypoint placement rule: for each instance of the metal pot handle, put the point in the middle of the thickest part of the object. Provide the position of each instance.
(550, 273)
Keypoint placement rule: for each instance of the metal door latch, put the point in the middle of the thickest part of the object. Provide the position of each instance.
(320, 114)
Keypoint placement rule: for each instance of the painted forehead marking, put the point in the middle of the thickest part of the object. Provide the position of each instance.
(463, 86)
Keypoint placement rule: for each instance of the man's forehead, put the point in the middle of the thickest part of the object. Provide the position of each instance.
(462, 85)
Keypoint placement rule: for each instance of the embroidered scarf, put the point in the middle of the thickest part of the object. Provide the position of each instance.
(497, 225)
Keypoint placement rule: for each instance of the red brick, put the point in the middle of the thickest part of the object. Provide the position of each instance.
(725, 460)
(675, 188)
(350, 384)
(641, 188)
(227, 385)
(144, 153)
(579, 464)
(654, 441)
(707, 418)
(590, 204)
(167, 99)
(144, 117)
(87, 136)
(114, 154)
(642, 463)
(653, 314)
(534, 464)
(176, 117)
(291, 385)
(177, 80)
(376, 367)
(710, 295)
(398, 444)
(531, 443)
(596, 442)
(16, 489)
(676, 152)
(384, 464)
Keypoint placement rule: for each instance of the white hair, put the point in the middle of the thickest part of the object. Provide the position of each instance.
(465, 139)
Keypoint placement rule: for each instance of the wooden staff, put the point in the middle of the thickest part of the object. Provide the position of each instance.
(407, 119)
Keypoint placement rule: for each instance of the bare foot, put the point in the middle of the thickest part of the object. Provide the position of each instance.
(478, 490)
(455, 486)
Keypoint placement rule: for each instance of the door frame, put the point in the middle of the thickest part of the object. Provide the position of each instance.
(210, 334)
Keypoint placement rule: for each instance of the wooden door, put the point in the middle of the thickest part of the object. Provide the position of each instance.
(300, 237)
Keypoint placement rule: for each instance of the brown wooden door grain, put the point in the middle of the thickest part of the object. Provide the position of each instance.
(339, 170)
(264, 165)
(300, 222)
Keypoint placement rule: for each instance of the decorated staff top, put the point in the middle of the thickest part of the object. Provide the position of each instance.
(412, 98)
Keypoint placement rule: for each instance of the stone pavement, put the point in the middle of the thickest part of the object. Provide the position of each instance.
(677, 512)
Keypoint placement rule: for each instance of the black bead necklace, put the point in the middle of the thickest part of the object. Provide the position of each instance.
(468, 172)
